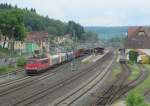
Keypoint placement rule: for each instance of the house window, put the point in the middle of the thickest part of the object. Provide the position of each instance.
(141, 33)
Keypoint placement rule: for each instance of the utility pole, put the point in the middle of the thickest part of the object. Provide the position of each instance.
(74, 62)
(47, 45)
(12, 41)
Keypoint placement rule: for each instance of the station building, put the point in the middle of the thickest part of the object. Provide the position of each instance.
(138, 39)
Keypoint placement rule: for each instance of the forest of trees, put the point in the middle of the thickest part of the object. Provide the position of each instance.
(12, 25)
(34, 22)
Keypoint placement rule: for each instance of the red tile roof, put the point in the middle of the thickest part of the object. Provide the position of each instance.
(133, 41)
(36, 36)
(133, 31)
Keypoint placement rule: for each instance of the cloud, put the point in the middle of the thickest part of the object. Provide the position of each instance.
(92, 12)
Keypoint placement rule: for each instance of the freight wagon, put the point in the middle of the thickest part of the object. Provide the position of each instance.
(39, 64)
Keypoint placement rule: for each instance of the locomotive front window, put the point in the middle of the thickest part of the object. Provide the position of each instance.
(44, 61)
(31, 61)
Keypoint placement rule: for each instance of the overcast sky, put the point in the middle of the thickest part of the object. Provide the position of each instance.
(92, 12)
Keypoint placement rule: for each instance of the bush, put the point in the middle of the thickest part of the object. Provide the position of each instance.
(21, 61)
(145, 59)
(133, 55)
(135, 100)
(4, 69)
(130, 62)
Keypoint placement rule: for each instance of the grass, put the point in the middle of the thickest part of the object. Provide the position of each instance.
(3, 52)
(5, 69)
(6, 53)
(116, 71)
(145, 85)
(86, 62)
(21, 61)
(135, 71)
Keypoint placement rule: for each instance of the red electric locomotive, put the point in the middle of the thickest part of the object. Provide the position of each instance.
(37, 64)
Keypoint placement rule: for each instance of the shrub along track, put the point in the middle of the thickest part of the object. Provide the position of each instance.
(120, 86)
(45, 90)
(20, 72)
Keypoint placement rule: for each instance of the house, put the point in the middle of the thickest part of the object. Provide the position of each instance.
(138, 39)
(33, 41)
(3, 41)
(37, 40)
(18, 45)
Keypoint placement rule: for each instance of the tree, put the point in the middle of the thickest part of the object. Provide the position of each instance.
(89, 37)
(74, 28)
(33, 10)
(133, 55)
(135, 100)
(12, 26)
(16, 6)
(5, 6)
(52, 30)
(34, 22)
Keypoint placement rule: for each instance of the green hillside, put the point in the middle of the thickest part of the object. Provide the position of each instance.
(107, 33)
(35, 22)
(111, 36)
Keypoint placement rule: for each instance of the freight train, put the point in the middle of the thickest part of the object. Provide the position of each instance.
(40, 63)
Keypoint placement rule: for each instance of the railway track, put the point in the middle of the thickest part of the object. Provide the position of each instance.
(21, 79)
(38, 76)
(19, 71)
(117, 90)
(69, 99)
(30, 99)
(49, 90)
(147, 93)
(11, 73)
(109, 94)
(30, 80)
(132, 84)
(27, 77)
